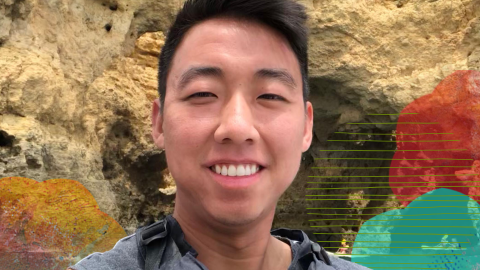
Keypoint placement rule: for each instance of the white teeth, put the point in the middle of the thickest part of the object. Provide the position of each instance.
(239, 170)
(247, 170)
(232, 170)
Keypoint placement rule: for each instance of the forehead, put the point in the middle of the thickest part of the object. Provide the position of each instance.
(230, 43)
(240, 31)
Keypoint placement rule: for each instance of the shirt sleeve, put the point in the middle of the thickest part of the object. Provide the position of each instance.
(340, 264)
(124, 256)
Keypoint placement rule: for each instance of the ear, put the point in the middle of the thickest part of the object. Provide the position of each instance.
(157, 125)
(308, 132)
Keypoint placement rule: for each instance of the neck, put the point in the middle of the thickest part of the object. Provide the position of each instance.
(227, 246)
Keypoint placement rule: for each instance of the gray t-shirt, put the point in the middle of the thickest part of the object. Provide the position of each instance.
(126, 255)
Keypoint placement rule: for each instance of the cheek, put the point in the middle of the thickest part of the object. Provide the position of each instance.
(183, 141)
(181, 134)
(287, 136)
(286, 148)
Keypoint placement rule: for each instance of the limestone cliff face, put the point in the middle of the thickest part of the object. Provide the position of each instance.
(77, 79)
(77, 84)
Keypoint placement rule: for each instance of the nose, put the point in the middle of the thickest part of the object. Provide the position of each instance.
(236, 122)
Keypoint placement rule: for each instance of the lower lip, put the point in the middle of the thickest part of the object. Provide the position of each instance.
(236, 182)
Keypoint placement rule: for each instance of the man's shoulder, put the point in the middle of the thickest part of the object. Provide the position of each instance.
(124, 255)
(300, 243)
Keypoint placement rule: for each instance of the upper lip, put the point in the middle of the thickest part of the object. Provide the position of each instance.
(234, 161)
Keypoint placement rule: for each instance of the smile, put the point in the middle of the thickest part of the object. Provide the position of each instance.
(236, 182)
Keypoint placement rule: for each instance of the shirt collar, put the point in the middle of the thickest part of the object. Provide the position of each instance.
(299, 241)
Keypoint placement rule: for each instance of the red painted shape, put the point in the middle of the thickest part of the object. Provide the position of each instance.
(455, 106)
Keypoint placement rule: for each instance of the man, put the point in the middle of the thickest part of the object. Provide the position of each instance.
(233, 120)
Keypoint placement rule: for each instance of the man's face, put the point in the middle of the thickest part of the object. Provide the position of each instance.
(236, 118)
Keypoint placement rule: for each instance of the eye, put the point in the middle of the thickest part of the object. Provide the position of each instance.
(274, 96)
(200, 94)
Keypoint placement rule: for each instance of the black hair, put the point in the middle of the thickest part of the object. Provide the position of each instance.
(286, 16)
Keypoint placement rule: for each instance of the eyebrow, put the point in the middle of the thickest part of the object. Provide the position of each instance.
(192, 73)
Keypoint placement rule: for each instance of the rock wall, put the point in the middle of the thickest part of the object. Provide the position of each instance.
(76, 89)
(77, 78)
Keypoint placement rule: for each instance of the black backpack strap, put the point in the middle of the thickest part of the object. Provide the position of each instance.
(321, 253)
(146, 237)
(317, 251)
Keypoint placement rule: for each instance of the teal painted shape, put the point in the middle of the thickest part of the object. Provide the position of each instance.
(397, 239)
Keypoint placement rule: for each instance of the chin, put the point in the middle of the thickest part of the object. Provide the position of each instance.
(235, 219)
(238, 216)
